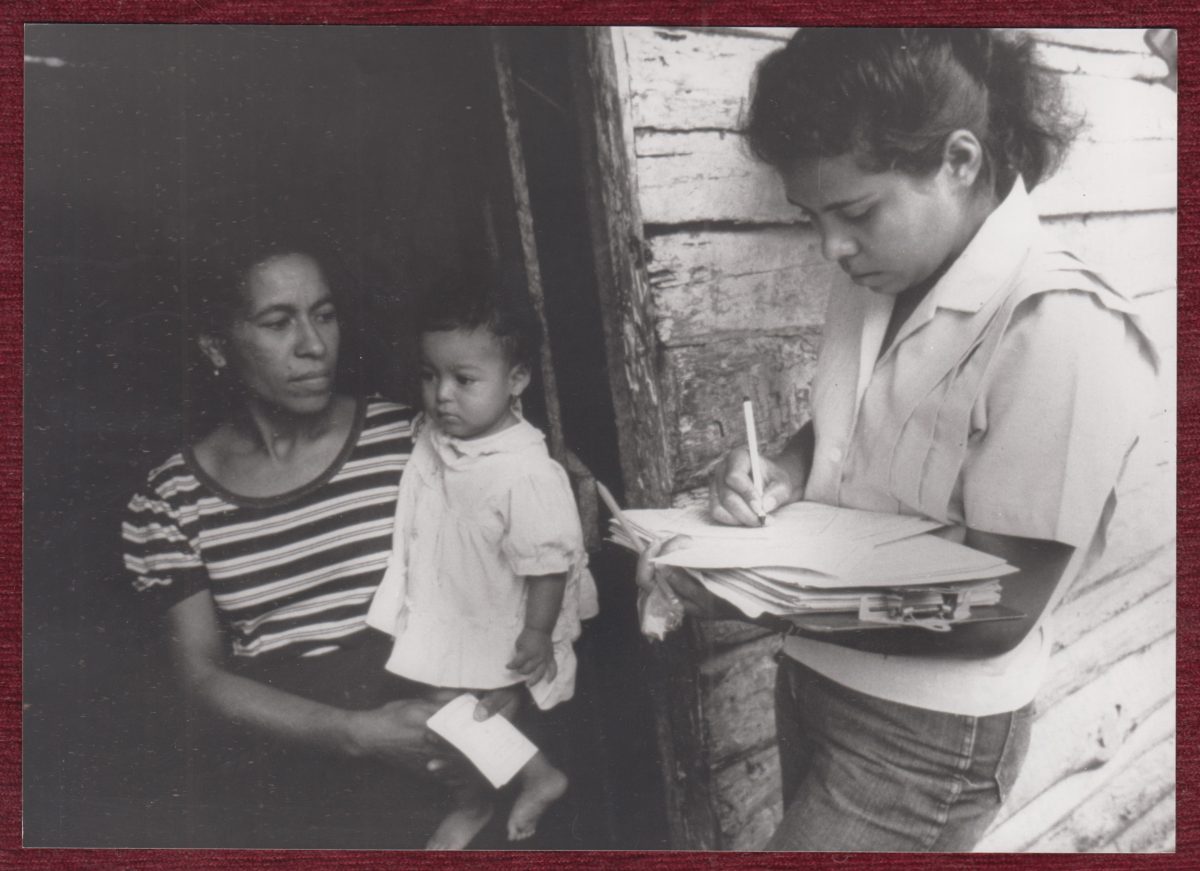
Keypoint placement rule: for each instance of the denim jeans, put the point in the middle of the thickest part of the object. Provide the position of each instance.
(862, 773)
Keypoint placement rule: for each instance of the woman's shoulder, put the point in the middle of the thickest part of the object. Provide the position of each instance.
(385, 417)
(168, 488)
(1063, 296)
(169, 475)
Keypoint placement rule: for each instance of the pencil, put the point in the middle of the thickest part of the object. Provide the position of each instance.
(616, 512)
(755, 462)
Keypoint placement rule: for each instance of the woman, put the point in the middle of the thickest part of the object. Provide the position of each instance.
(262, 544)
(976, 374)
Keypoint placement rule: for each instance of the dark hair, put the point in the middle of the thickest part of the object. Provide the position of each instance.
(219, 258)
(467, 297)
(219, 266)
(893, 95)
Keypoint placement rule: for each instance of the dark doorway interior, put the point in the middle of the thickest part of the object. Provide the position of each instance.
(386, 138)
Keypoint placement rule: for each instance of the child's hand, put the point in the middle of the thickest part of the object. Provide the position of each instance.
(534, 656)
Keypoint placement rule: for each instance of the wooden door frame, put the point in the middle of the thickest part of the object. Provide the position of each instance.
(646, 441)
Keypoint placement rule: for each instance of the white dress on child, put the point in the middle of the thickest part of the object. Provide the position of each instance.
(473, 519)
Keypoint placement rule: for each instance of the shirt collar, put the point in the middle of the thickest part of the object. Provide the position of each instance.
(991, 257)
(453, 451)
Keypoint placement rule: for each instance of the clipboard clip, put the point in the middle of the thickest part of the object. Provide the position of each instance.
(934, 610)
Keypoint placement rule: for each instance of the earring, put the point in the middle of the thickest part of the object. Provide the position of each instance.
(216, 371)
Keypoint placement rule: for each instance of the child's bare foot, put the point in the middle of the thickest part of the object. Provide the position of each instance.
(460, 827)
(541, 786)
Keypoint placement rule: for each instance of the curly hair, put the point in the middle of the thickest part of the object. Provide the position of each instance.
(466, 296)
(893, 95)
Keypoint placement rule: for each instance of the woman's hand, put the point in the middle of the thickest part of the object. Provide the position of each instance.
(395, 733)
(731, 497)
(504, 701)
(697, 601)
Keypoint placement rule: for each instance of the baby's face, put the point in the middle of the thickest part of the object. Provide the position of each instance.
(468, 382)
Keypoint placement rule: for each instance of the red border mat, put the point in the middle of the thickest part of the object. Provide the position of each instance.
(15, 13)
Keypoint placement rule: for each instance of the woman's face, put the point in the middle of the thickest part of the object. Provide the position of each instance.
(888, 230)
(283, 345)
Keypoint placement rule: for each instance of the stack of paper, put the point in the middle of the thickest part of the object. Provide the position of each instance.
(813, 558)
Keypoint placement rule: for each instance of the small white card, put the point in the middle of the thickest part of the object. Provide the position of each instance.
(495, 746)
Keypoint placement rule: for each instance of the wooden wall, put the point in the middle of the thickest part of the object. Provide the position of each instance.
(737, 288)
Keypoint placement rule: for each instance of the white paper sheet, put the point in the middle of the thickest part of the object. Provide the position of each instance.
(495, 746)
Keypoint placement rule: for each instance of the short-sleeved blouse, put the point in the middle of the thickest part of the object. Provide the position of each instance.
(475, 518)
(1007, 403)
(291, 573)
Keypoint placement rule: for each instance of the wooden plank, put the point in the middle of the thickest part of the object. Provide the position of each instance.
(766, 280)
(1112, 177)
(1126, 40)
(696, 177)
(1080, 614)
(688, 79)
(1086, 729)
(1121, 110)
(615, 225)
(1136, 253)
(749, 800)
(1153, 832)
(1113, 65)
(1108, 640)
(707, 381)
(616, 235)
(738, 691)
(696, 79)
(1136, 789)
(1043, 796)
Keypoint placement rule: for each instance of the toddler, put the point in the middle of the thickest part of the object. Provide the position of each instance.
(488, 579)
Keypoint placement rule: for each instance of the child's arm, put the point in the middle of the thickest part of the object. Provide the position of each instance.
(534, 656)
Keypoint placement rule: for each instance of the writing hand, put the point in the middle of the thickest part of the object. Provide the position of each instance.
(731, 496)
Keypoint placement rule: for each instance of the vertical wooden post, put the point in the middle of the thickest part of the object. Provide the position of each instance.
(645, 444)
(616, 230)
(524, 213)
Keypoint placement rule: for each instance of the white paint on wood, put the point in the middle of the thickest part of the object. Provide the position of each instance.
(1121, 40)
(1122, 800)
(1154, 832)
(1114, 65)
(1126, 632)
(691, 79)
(707, 381)
(1014, 832)
(1080, 614)
(1105, 721)
(1121, 110)
(710, 177)
(712, 283)
(688, 80)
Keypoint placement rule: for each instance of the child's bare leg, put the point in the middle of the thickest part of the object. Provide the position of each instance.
(472, 809)
(541, 786)
(473, 801)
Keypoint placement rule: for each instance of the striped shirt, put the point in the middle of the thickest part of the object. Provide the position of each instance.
(294, 571)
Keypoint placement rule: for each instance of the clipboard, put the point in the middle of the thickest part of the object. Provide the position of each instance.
(848, 621)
